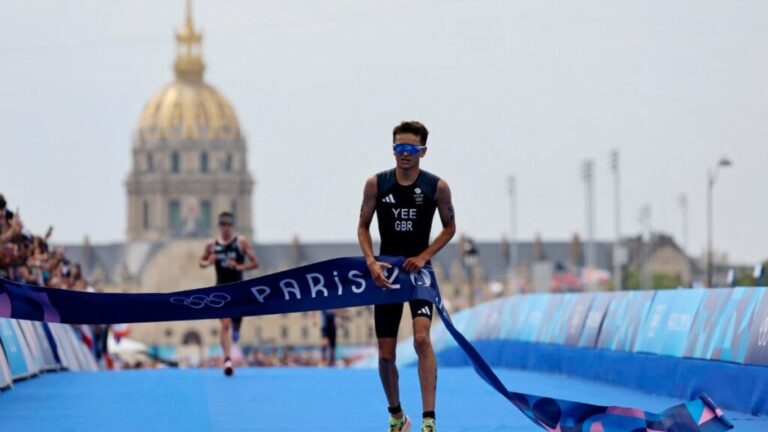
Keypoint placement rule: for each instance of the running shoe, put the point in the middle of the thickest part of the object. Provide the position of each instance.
(399, 425)
(428, 425)
(228, 369)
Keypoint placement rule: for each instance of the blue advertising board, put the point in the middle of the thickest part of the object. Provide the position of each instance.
(721, 330)
(669, 322)
(488, 317)
(511, 309)
(577, 318)
(5, 371)
(554, 327)
(594, 319)
(532, 313)
(729, 341)
(14, 352)
(706, 320)
(49, 359)
(624, 319)
(757, 347)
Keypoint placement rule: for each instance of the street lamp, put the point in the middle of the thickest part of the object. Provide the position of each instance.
(644, 217)
(513, 224)
(682, 201)
(724, 162)
(587, 169)
(617, 246)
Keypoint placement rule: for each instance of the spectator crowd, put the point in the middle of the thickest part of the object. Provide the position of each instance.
(28, 258)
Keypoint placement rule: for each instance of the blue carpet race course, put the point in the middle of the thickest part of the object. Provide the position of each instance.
(290, 399)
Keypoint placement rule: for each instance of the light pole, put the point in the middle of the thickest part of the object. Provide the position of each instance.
(587, 169)
(724, 162)
(617, 247)
(512, 189)
(683, 202)
(645, 220)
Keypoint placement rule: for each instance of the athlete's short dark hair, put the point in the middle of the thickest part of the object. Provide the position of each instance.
(412, 127)
(226, 215)
(2, 201)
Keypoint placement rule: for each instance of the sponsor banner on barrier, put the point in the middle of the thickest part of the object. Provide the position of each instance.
(17, 361)
(730, 343)
(564, 322)
(726, 335)
(705, 322)
(489, 320)
(624, 319)
(5, 372)
(532, 310)
(757, 347)
(552, 318)
(511, 308)
(669, 322)
(49, 360)
(35, 349)
(84, 356)
(32, 364)
(578, 317)
(594, 319)
(63, 346)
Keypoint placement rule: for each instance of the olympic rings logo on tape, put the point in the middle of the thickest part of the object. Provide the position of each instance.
(199, 301)
(422, 278)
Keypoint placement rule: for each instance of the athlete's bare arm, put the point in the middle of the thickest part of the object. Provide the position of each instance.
(208, 257)
(251, 261)
(364, 234)
(448, 218)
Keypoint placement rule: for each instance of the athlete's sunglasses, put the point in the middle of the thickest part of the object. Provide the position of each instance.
(411, 149)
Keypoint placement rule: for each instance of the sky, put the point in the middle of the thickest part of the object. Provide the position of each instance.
(525, 88)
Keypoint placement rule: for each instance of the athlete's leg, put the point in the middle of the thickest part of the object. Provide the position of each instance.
(387, 321)
(388, 372)
(236, 323)
(226, 341)
(422, 321)
(325, 348)
(332, 348)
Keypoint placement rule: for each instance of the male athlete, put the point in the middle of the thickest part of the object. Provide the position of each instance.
(328, 331)
(404, 200)
(229, 253)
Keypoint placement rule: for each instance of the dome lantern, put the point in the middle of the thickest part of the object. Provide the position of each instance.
(189, 65)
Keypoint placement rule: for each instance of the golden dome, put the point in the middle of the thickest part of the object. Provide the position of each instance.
(188, 109)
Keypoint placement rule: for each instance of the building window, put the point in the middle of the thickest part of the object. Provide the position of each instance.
(204, 162)
(234, 210)
(228, 162)
(145, 215)
(305, 333)
(175, 162)
(284, 332)
(205, 216)
(150, 162)
(174, 216)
